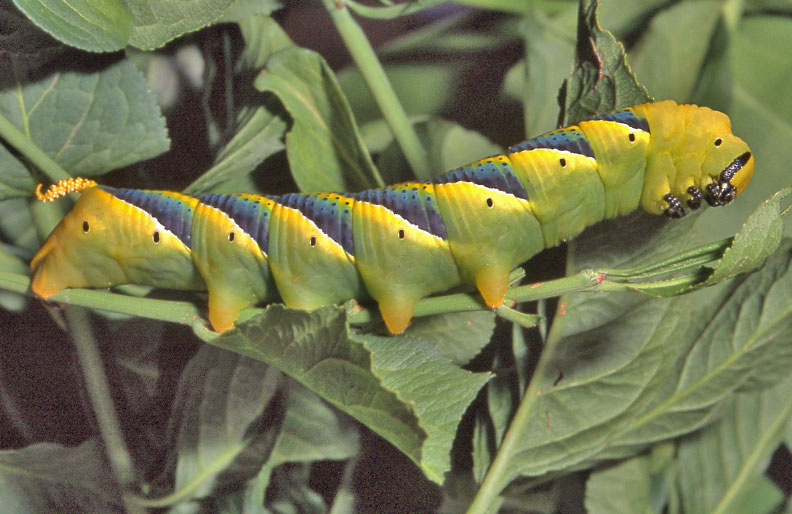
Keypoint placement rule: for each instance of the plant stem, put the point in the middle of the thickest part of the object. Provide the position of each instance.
(31, 151)
(99, 392)
(501, 472)
(381, 88)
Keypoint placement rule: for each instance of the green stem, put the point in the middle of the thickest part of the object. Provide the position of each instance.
(184, 313)
(99, 392)
(31, 151)
(501, 472)
(381, 88)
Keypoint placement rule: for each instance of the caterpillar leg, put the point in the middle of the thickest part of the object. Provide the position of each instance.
(224, 308)
(397, 313)
(492, 283)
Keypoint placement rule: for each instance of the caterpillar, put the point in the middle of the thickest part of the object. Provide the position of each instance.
(397, 244)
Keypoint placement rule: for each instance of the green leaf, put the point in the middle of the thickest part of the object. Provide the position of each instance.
(758, 238)
(764, 119)
(47, 477)
(89, 123)
(459, 336)
(550, 45)
(623, 487)
(300, 441)
(158, 21)
(258, 138)
(721, 469)
(94, 25)
(673, 72)
(422, 89)
(438, 391)
(447, 144)
(400, 387)
(325, 150)
(602, 80)
(15, 180)
(220, 399)
(260, 124)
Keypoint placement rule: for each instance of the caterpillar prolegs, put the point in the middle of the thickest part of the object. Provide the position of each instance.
(397, 244)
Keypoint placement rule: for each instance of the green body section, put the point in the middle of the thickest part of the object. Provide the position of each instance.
(310, 268)
(398, 251)
(229, 257)
(397, 244)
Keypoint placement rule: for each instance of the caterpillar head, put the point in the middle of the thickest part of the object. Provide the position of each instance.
(723, 164)
(105, 241)
(75, 253)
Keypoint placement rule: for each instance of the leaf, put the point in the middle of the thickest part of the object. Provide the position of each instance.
(758, 238)
(300, 441)
(324, 146)
(223, 405)
(447, 144)
(721, 468)
(438, 391)
(764, 120)
(623, 487)
(15, 180)
(459, 336)
(672, 73)
(400, 387)
(158, 21)
(89, 123)
(258, 138)
(602, 80)
(423, 89)
(47, 477)
(550, 45)
(94, 25)
(260, 124)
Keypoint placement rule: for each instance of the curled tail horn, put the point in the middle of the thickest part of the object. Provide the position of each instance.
(64, 187)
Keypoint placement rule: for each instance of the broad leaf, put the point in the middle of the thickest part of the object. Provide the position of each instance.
(89, 123)
(47, 477)
(400, 387)
(222, 406)
(95, 25)
(722, 467)
(326, 152)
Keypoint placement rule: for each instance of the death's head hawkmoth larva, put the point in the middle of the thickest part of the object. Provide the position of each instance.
(397, 244)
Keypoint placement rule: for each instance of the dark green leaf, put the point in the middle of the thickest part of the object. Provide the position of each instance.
(602, 80)
(722, 467)
(47, 477)
(95, 25)
(158, 21)
(89, 123)
(220, 398)
(324, 146)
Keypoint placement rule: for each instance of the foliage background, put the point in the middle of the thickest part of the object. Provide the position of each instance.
(211, 430)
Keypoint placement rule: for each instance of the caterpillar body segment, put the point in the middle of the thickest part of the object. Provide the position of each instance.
(398, 244)
(120, 236)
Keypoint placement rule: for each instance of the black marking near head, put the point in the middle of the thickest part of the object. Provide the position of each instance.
(722, 191)
(172, 213)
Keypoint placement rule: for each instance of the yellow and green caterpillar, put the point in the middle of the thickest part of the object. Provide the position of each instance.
(471, 225)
